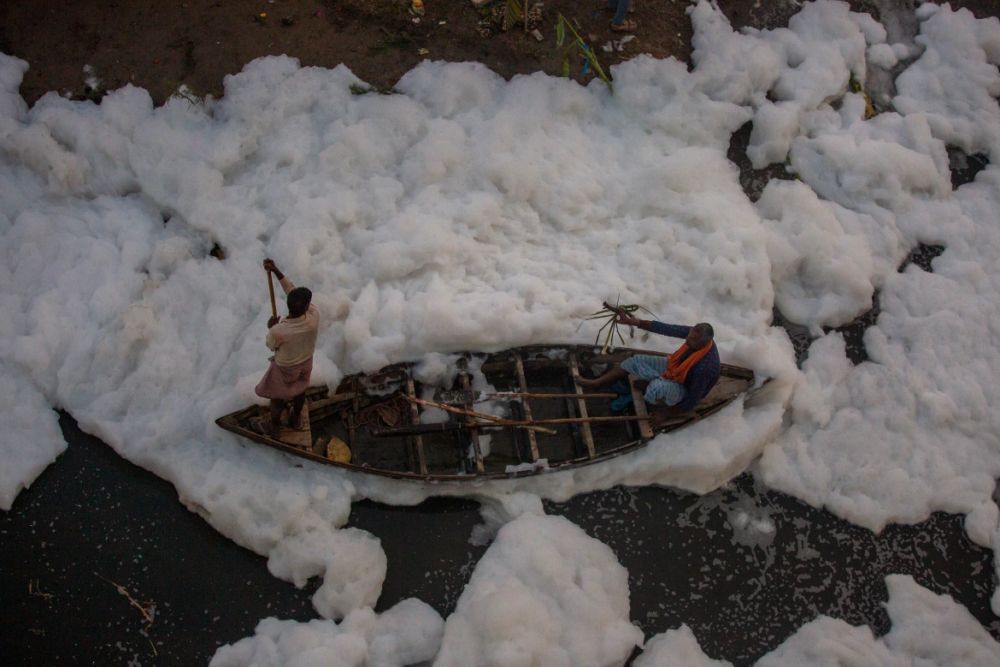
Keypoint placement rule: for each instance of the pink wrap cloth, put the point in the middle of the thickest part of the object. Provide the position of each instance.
(285, 382)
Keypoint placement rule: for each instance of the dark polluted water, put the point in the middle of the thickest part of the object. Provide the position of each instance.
(744, 567)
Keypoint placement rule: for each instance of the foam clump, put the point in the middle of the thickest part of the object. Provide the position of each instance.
(927, 629)
(544, 593)
(676, 647)
(26, 419)
(407, 634)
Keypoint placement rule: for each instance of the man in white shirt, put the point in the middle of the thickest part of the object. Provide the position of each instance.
(293, 340)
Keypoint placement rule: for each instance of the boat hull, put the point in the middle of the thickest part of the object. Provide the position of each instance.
(509, 414)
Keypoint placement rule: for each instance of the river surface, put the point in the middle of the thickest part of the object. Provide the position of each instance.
(744, 567)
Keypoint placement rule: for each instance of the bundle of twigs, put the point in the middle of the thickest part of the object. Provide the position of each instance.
(611, 315)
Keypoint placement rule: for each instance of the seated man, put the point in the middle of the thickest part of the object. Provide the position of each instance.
(677, 382)
(293, 340)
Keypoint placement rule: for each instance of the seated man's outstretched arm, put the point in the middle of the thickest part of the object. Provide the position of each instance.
(662, 328)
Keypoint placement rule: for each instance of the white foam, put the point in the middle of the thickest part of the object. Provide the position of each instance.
(927, 629)
(676, 647)
(31, 436)
(472, 213)
(407, 634)
(544, 593)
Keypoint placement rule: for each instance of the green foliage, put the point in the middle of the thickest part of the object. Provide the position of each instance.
(853, 84)
(610, 315)
(514, 11)
(576, 43)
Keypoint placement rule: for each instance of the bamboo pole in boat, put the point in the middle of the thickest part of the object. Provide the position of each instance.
(523, 383)
(499, 421)
(582, 420)
(543, 395)
(581, 404)
(538, 423)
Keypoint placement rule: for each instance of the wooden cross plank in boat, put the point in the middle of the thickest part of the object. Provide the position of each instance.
(519, 368)
(473, 433)
(418, 441)
(645, 429)
(543, 395)
(581, 405)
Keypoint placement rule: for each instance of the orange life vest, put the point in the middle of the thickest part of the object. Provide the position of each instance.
(678, 370)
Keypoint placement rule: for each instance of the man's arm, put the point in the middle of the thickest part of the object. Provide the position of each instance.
(662, 328)
(286, 284)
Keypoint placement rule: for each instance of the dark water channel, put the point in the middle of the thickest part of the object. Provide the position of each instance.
(93, 521)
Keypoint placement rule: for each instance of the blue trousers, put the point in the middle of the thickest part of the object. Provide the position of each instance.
(621, 9)
(651, 368)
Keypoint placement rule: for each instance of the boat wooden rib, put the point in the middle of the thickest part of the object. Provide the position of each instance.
(533, 418)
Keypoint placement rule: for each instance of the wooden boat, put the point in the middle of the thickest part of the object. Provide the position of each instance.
(533, 418)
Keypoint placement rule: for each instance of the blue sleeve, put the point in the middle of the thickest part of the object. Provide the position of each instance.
(672, 330)
(700, 380)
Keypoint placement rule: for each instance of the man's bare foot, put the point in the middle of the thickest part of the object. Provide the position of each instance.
(296, 422)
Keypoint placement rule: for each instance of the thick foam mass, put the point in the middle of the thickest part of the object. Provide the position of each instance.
(545, 593)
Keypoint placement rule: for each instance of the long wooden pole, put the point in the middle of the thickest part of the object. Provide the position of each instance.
(270, 289)
(500, 421)
(527, 394)
(580, 420)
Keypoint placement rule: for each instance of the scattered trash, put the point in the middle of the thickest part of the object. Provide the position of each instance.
(90, 79)
(537, 34)
(501, 17)
(422, 52)
(617, 44)
(417, 7)
(146, 609)
(441, 22)
(35, 589)
(415, 20)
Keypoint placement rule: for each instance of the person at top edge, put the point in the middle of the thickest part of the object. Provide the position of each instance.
(676, 383)
(293, 340)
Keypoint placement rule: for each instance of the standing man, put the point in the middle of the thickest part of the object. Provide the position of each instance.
(677, 382)
(293, 340)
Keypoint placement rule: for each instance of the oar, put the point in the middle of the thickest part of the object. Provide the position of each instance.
(270, 290)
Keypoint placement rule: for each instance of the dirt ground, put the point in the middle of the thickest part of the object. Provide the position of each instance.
(196, 43)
